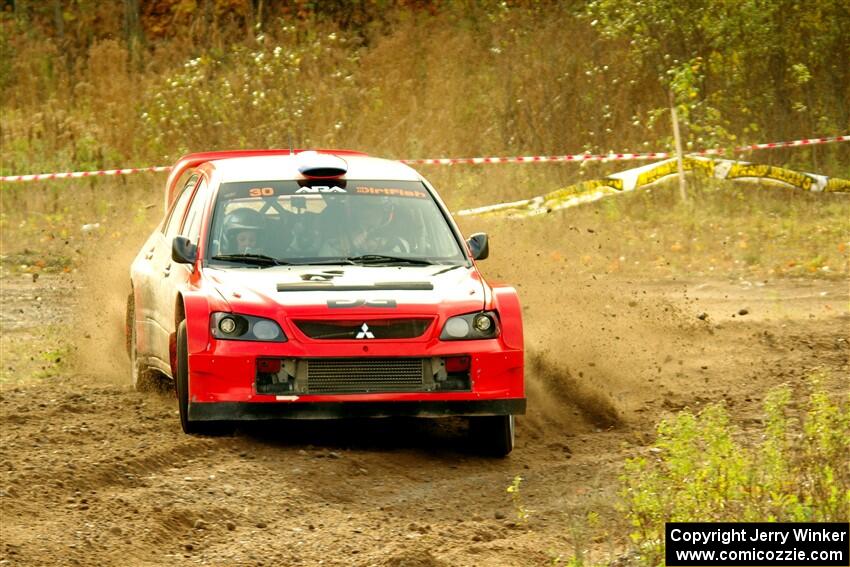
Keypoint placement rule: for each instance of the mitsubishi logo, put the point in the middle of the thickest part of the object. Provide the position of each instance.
(365, 333)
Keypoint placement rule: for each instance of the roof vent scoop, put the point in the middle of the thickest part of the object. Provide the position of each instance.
(321, 166)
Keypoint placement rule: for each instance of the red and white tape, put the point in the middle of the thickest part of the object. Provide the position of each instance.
(78, 174)
(626, 156)
(775, 145)
(536, 159)
(476, 160)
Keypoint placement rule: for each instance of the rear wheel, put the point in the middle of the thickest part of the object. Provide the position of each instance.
(492, 435)
(144, 378)
(181, 383)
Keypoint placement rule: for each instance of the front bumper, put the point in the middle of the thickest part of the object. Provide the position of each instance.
(222, 382)
(244, 411)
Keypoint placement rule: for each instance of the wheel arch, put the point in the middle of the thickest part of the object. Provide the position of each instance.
(193, 307)
(179, 310)
(506, 302)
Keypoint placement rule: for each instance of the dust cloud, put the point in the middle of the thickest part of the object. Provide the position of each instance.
(596, 342)
(100, 303)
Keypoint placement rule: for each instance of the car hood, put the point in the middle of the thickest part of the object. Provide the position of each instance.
(333, 290)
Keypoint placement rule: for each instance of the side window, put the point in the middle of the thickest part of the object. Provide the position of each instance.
(192, 226)
(176, 214)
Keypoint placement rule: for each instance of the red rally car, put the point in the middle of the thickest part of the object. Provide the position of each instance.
(321, 284)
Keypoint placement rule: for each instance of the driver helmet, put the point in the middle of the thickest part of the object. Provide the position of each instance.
(241, 230)
(371, 213)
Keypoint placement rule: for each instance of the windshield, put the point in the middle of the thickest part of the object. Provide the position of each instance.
(326, 221)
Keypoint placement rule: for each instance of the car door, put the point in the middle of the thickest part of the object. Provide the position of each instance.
(161, 262)
(175, 275)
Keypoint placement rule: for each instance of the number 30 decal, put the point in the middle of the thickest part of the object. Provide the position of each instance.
(261, 192)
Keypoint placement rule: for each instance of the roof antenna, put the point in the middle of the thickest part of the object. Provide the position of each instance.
(290, 143)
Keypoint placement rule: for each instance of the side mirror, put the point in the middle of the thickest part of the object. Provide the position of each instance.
(479, 246)
(183, 251)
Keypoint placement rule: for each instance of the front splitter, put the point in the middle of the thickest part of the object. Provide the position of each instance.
(249, 411)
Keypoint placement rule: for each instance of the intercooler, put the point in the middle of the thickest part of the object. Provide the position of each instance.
(350, 376)
(358, 375)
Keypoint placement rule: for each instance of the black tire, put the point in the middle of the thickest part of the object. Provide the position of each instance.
(144, 379)
(181, 383)
(492, 435)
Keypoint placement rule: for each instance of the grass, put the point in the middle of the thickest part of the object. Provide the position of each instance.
(56, 226)
(459, 79)
(515, 490)
(702, 468)
(726, 230)
(27, 357)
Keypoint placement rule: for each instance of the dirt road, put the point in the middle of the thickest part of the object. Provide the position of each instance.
(92, 473)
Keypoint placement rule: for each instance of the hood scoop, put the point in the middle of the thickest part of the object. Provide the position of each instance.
(324, 276)
(327, 285)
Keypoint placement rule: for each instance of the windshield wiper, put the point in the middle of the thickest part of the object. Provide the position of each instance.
(449, 269)
(382, 259)
(331, 262)
(253, 259)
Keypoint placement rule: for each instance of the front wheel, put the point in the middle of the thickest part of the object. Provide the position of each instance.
(181, 383)
(492, 435)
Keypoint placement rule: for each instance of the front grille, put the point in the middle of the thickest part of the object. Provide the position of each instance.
(365, 375)
(346, 329)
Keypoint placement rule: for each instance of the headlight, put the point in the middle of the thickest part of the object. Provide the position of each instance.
(482, 322)
(456, 328)
(235, 327)
(266, 330)
(481, 325)
(228, 326)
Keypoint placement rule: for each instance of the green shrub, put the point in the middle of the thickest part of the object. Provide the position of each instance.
(264, 93)
(700, 469)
